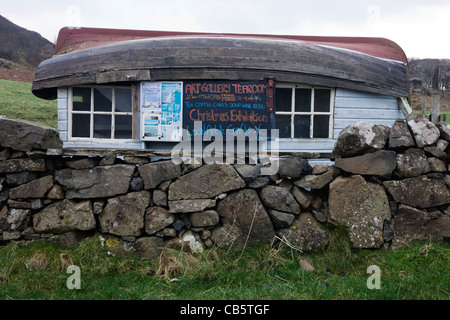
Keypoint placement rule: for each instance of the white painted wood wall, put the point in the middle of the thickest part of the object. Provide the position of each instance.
(350, 107)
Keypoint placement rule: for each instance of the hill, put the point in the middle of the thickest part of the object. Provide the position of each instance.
(19, 45)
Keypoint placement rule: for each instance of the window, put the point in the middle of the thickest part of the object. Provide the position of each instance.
(304, 112)
(100, 113)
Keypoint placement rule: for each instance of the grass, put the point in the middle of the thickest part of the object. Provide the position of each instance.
(17, 102)
(38, 271)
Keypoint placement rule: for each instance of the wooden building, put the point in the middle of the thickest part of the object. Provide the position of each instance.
(126, 89)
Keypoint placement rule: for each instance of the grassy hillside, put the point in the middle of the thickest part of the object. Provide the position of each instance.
(23, 46)
(17, 102)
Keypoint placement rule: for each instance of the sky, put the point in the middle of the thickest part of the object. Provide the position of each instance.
(421, 28)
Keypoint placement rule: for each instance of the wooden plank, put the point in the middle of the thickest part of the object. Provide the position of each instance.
(404, 106)
(366, 103)
(340, 124)
(344, 93)
(375, 114)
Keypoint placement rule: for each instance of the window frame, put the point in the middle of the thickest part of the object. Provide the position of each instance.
(311, 113)
(92, 113)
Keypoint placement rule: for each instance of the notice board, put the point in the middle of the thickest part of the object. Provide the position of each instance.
(161, 111)
(226, 106)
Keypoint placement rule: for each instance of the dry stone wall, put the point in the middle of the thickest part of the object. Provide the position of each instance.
(389, 186)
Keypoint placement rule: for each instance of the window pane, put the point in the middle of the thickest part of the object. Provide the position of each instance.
(102, 99)
(81, 99)
(303, 100)
(123, 127)
(321, 126)
(123, 100)
(81, 125)
(284, 125)
(102, 126)
(284, 99)
(322, 100)
(302, 125)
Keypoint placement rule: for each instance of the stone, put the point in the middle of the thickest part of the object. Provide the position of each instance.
(247, 172)
(388, 230)
(204, 219)
(97, 207)
(135, 160)
(315, 181)
(137, 184)
(304, 265)
(436, 152)
(107, 161)
(259, 183)
(246, 212)
(279, 199)
(56, 193)
(425, 133)
(66, 240)
(23, 135)
(159, 198)
(186, 206)
(149, 247)
(65, 216)
(35, 189)
(17, 179)
(86, 163)
(20, 165)
(360, 138)
(206, 234)
(321, 215)
(5, 154)
(124, 215)
(280, 219)
(420, 192)
(306, 234)
(36, 204)
(18, 219)
(19, 204)
(229, 236)
(361, 207)
(399, 136)
(189, 242)
(380, 163)
(116, 246)
(156, 172)
(206, 182)
(319, 169)
(156, 219)
(3, 224)
(437, 165)
(293, 168)
(303, 197)
(164, 186)
(11, 235)
(412, 163)
(98, 182)
(411, 224)
(444, 130)
(178, 225)
(442, 144)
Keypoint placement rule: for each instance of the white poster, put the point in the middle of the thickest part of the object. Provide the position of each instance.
(151, 96)
(161, 110)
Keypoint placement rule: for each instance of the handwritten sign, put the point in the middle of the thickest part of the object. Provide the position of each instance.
(225, 106)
